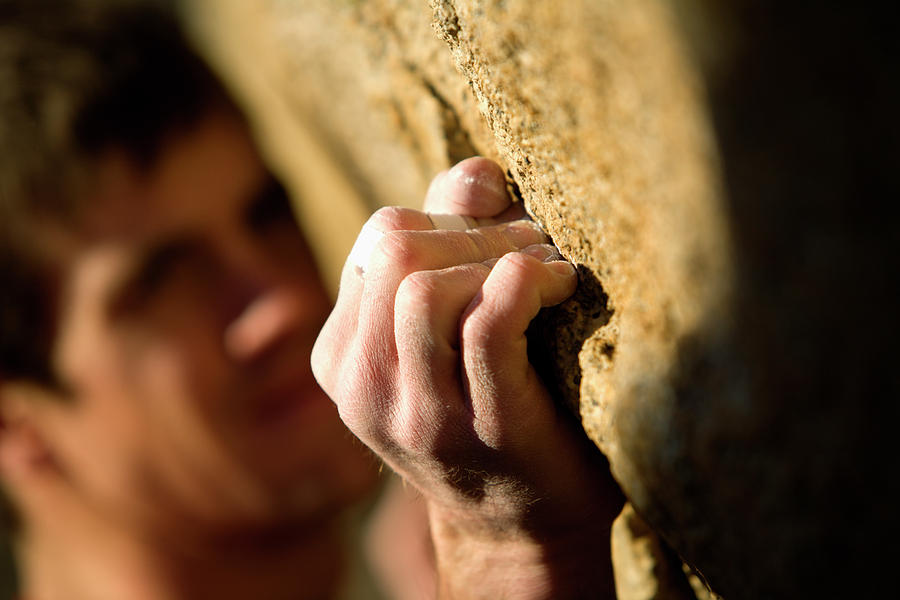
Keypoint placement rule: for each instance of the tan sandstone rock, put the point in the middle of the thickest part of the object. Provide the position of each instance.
(699, 162)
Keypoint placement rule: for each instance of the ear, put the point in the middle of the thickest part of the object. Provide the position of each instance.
(22, 446)
(39, 494)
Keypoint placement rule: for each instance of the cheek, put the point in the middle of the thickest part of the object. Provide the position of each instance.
(175, 358)
(98, 437)
(180, 375)
(183, 387)
(187, 390)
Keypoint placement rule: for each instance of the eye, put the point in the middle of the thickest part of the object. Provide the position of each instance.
(158, 271)
(271, 208)
(159, 266)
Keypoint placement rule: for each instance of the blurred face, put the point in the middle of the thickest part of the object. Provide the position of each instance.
(190, 306)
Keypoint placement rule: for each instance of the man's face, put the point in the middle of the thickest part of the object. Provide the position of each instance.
(190, 304)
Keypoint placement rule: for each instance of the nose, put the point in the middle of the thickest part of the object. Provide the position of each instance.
(277, 302)
(269, 317)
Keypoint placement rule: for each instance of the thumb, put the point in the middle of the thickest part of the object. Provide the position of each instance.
(475, 187)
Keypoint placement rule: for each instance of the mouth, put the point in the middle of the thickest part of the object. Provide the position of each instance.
(279, 403)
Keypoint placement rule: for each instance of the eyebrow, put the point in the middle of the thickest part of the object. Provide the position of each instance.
(148, 268)
(162, 254)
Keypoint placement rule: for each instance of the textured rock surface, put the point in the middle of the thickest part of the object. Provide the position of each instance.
(729, 345)
(645, 568)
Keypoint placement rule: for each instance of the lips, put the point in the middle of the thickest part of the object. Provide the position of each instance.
(279, 402)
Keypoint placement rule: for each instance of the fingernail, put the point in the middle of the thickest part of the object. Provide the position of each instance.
(562, 267)
(486, 181)
(524, 233)
(543, 252)
(530, 219)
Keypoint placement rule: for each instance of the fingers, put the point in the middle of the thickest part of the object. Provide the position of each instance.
(430, 304)
(425, 353)
(340, 328)
(428, 307)
(518, 286)
(401, 253)
(433, 302)
(492, 337)
(407, 243)
(475, 187)
(389, 218)
(405, 265)
(428, 361)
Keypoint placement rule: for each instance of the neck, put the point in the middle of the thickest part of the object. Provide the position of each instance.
(291, 565)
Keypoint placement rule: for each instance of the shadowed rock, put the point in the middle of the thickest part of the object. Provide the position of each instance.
(721, 175)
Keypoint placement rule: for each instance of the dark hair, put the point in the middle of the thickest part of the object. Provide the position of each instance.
(77, 79)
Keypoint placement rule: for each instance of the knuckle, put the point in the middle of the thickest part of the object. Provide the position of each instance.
(358, 420)
(399, 250)
(518, 270)
(478, 272)
(488, 242)
(363, 398)
(411, 434)
(394, 218)
(498, 240)
(510, 284)
(418, 293)
(478, 327)
(418, 427)
(322, 360)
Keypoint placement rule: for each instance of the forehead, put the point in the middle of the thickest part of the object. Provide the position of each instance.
(199, 176)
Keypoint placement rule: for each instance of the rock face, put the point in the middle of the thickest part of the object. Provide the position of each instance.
(729, 348)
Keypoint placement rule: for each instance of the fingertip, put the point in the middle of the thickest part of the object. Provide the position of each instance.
(485, 171)
(475, 186)
(567, 274)
(562, 268)
(398, 218)
(523, 273)
(435, 193)
(480, 184)
(543, 252)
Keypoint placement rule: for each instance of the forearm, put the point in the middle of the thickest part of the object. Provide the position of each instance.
(475, 562)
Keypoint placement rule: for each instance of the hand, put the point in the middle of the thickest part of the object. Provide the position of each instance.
(425, 357)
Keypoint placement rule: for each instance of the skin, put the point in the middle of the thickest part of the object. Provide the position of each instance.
(425, 357)
(191, 453)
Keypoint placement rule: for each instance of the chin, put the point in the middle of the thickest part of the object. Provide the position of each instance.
(314, 474)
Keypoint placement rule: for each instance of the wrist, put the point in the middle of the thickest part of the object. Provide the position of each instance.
(528, 560)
